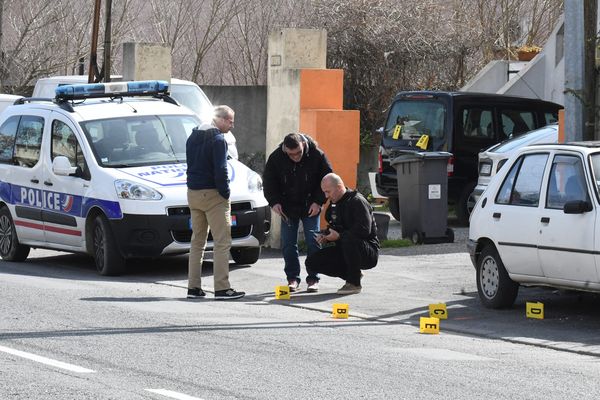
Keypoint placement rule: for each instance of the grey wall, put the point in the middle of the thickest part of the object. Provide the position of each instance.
(250, 106)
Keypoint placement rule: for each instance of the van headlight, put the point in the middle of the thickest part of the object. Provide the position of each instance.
(254, 182)
(134, 191)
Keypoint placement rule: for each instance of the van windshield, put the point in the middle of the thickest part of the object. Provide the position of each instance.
(139, 140)
(410, 119)
(193, 98)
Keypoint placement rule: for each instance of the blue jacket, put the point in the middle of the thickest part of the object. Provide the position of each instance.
(206, 152)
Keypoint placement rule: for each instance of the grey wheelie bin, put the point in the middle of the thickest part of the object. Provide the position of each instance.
(423, 196)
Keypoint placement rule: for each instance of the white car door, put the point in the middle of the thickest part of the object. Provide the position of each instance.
(26, 177)
(566, 241)
(514, 215)
(63, 219)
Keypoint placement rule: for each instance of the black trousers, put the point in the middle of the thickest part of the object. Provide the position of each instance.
(344, 260)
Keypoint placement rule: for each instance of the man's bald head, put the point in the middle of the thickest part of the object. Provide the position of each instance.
(333, 187)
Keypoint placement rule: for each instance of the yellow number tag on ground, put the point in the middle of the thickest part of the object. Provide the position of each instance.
(397, 131)
(423, 142)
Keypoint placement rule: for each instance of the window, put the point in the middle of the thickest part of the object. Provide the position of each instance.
(551, 118)
(522, 185)
(477, 123)
(8, 130)
(416, 118)
(566, 182)
(64, 143)
(515, 122)
(29, 140)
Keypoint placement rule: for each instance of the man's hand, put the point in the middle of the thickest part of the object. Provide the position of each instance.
(314, 209)
(332, 236)
(279, 210)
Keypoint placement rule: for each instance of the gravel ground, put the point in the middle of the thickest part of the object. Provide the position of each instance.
(461, 234)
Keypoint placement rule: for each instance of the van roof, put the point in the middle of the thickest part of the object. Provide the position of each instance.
(472, 95)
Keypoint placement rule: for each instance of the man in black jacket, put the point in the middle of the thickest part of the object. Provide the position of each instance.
(291, 184)
(350, 242)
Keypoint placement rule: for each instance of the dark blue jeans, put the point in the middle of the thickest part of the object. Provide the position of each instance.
(289, 244)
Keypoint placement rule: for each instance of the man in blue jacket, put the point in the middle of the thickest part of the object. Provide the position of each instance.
(208, 198)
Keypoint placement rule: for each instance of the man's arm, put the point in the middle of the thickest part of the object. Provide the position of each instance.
(220, 166)
(324, 168)
(360, 225)
(271, 182)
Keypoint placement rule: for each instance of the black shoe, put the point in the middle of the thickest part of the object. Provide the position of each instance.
(195, 293)
(229, 294)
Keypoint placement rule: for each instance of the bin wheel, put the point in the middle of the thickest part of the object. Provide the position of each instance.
(450, 235)
(417, 237)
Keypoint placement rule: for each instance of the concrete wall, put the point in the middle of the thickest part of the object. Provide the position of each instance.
(250, 105)
(145, 61)
(491, 78)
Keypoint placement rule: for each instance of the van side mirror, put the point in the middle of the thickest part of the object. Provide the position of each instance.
(62, 166)
(577, 207)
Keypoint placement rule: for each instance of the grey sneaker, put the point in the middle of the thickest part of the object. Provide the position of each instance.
(229, 294)
(312, 286)
(294, 285)
(349, 288)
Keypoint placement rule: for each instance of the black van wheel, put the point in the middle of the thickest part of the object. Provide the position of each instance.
(495, 288)
(245, 255)
(10, 248)
(462, 209)
(394, 205)
(106, 255)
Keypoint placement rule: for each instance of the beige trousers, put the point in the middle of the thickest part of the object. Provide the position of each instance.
(209, 209)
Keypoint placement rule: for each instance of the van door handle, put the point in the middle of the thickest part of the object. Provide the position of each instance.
(48, 183)
(35, 181)
(545, 220)
(496, 215)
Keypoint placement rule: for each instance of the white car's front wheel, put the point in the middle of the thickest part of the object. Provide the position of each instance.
(495, 288)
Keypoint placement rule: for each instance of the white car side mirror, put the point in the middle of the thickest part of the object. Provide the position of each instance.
(62, 166)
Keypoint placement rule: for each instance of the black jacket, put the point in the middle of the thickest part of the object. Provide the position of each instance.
(352, 218)
(295, 185)
(206, 152)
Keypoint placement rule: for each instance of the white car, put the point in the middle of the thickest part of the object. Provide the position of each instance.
(493, 158)
(538, 223)
(101, 169)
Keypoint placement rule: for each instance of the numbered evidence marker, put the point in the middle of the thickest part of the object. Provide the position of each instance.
(430, 325)
(341, 310)
(423, 142)
(282, 292)
(438, 311)
(397, 131)
(534, 310)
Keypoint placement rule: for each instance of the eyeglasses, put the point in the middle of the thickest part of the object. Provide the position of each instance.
(296, 153)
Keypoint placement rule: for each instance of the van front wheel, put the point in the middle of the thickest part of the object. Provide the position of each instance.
(106, 255)
(10, 248)
(245, 255)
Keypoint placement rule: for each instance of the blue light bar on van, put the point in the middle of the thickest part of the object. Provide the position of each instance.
(111, 89)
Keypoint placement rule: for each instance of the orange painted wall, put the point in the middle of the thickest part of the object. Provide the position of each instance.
(321, 89)
(337, 134)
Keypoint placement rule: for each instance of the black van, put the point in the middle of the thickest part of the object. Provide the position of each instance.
(462, 123)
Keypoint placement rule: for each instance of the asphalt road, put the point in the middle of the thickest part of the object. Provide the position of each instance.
(137, 337)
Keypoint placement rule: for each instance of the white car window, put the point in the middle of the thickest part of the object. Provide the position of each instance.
(566, 182)
(523, 183)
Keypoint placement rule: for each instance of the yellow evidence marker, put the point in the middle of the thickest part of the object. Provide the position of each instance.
(397, 131)
(438, 311)
(340, 310)
(282, 292)
(534, 310)
(423, 142)
(430, 325)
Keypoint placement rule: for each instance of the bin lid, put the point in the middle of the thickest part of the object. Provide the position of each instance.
(411, 156)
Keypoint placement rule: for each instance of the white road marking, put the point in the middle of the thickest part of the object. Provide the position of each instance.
(172, 394)
(47, 361)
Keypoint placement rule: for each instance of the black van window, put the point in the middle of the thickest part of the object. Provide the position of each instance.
(551, 118)
(29, 140)
(516, 122)
(8, 130)
(416, 118)
(477, 123)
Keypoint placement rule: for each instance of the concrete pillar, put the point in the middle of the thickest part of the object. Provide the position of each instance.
(146, 61)
(304, 96)
(574, 70)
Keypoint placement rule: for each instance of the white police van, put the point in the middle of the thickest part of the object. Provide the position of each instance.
(101, 169)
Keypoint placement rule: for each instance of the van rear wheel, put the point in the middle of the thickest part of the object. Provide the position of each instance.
(462, 209)
(10, 248)
(106, 255)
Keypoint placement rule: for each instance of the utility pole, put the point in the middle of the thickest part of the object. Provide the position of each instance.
(93, 67)
(107, 41)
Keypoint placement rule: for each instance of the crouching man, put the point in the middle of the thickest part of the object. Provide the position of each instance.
(350, 243)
